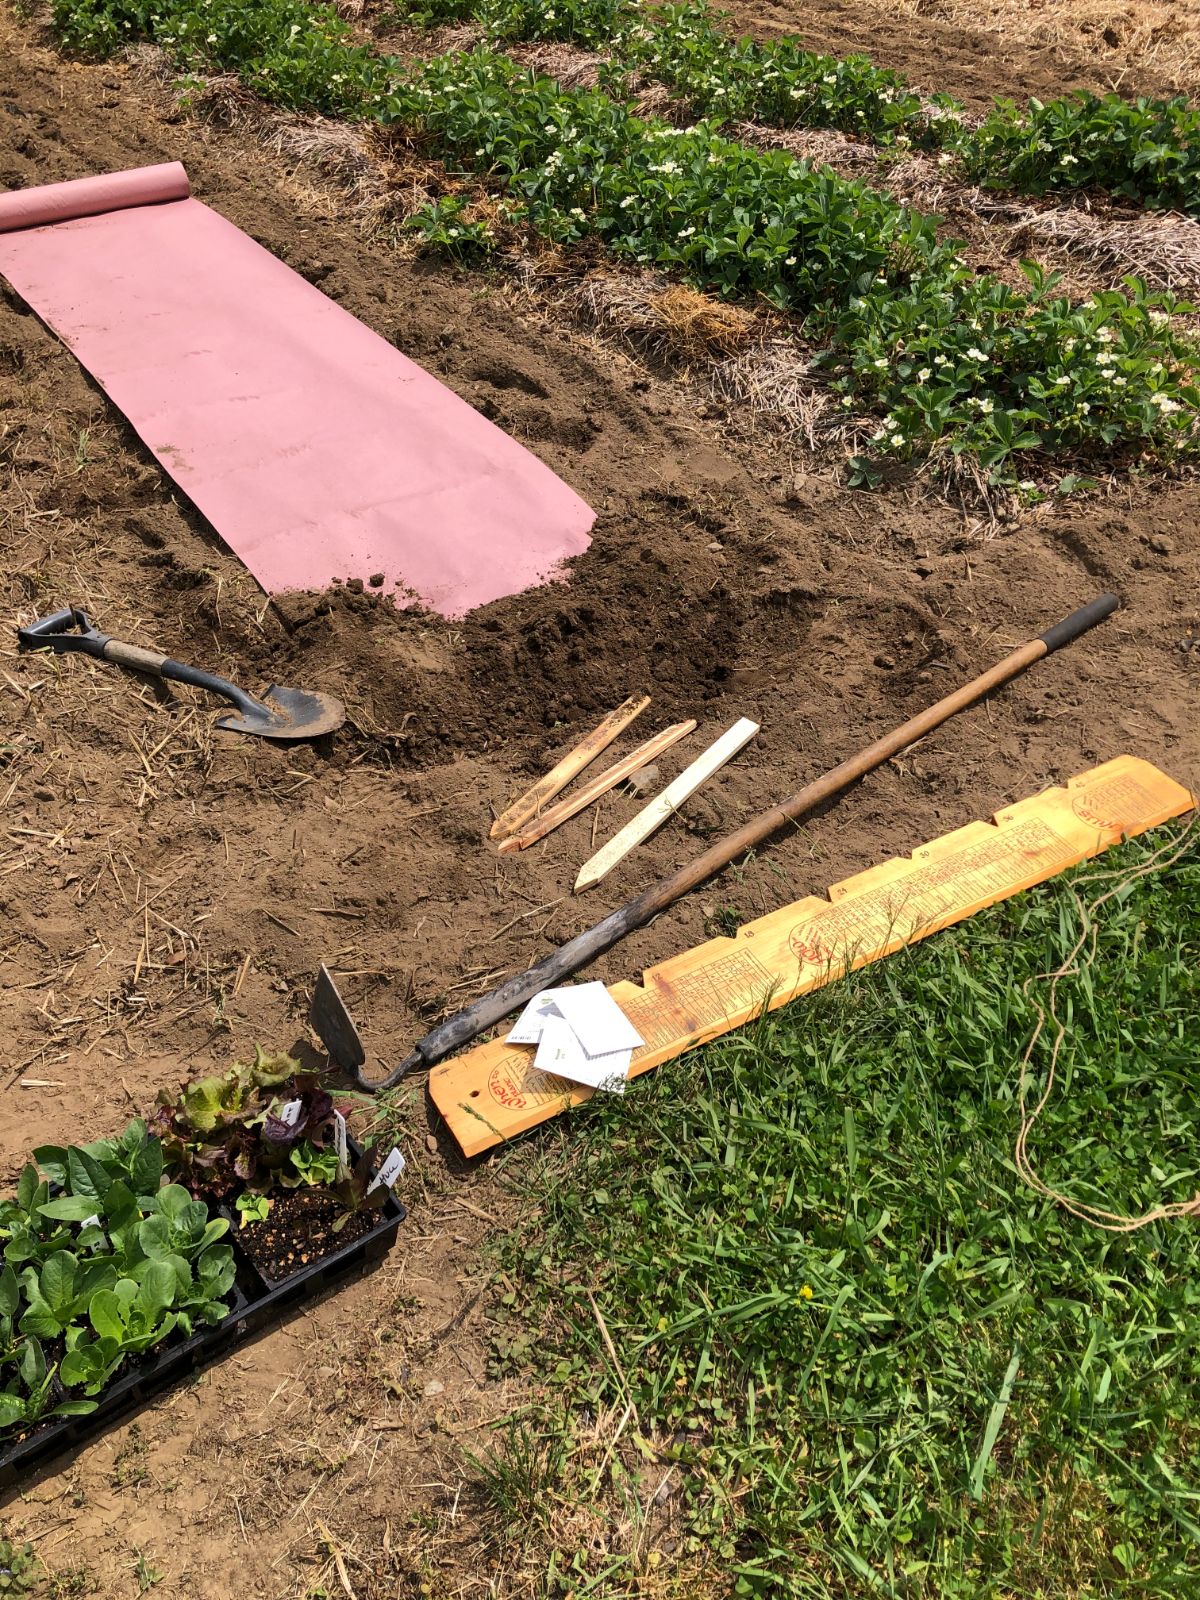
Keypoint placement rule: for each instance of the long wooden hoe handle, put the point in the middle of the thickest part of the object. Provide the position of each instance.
(569, 958)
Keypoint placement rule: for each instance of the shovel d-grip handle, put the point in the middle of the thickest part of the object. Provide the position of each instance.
(71, 629)
(571, 957)
(68, 629)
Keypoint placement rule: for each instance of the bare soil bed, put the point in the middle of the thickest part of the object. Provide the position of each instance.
(166, 892)
(1003, 49)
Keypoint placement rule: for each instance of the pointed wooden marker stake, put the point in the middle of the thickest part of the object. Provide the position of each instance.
(554, 816)
(653, 816)
(544, 790)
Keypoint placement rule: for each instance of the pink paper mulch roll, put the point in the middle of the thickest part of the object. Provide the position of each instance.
(88, 197)
(316, 450)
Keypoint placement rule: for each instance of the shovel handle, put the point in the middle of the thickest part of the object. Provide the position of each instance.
(68, 629)
(135, 658)
(1070, 628)
(72, 629)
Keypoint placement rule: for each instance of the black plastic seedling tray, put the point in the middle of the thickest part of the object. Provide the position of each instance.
(258, 1302)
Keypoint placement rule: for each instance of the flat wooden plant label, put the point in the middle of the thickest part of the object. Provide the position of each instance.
(494, 1091)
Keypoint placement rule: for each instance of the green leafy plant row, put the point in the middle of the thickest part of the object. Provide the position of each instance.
(289, 52)
(108, 1250)
(102, 1261)
(945, 359)
(1146, 149)
(777, 82)
(591, 23)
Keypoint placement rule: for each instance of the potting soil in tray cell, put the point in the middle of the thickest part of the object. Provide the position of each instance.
(297, 1240)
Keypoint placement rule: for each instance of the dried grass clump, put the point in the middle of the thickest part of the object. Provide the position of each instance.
(1162, 248)
(338, 152)
(656, 100)
(571, 67)
(821, 146)
(670, 321)
(776, 382)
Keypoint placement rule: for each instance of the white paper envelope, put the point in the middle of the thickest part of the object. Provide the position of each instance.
(599, 1023)
(561, 1053)
(528, 1026)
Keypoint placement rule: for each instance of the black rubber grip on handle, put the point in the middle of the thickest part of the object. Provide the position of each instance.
(1078, 622)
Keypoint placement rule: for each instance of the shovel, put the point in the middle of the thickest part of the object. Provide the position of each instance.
(280, 714)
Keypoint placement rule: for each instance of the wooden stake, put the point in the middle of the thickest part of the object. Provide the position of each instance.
(653, 816)
(555, 816)
(530, 803)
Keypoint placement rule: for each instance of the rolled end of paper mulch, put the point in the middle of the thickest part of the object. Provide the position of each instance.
(89, 197)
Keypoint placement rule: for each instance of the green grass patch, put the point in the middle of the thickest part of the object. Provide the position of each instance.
(883, 1365)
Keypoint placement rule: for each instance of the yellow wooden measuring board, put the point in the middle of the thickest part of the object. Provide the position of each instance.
(493, 1091)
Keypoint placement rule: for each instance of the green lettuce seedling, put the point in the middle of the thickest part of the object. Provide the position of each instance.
(127, 1319)
(252, 1207)
(34, 1404)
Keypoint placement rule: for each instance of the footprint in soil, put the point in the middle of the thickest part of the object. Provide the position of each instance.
(502, 376)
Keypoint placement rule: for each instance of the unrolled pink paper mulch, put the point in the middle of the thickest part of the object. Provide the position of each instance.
(315, 449)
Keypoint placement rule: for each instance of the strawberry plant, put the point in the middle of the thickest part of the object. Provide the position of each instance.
(290, 52)
(1146, 149)
(592, 23)
(943, 357)
(778, 81)
(445, 225)
(18, 1567)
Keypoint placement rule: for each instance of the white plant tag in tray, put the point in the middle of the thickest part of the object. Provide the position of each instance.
(339, 1140)
(389, 1171)
(289, 1113)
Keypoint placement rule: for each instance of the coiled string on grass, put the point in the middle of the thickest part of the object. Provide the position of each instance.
(1096, 1216)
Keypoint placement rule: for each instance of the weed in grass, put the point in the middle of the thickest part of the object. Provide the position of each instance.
(521, 1473)
(882, 1364)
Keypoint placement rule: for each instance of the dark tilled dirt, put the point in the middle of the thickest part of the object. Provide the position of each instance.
(166, 893)
(941, 56)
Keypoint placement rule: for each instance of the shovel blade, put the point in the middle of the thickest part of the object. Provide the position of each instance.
(288, 714)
